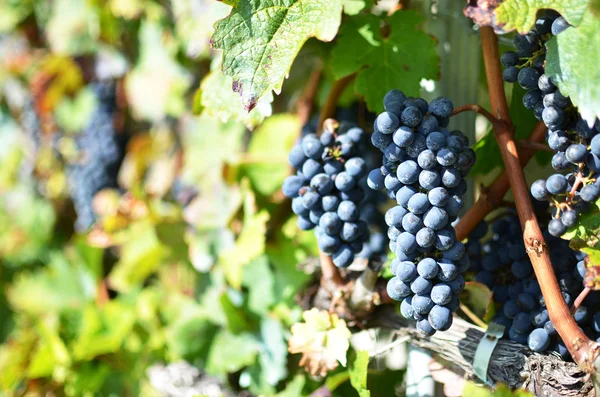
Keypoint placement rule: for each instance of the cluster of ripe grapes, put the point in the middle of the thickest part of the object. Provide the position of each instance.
(329, 194)
(499, 260)
(577, 145)
(100, 151)
(423, 169)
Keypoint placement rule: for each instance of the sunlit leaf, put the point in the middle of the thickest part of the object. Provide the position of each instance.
(260, 39)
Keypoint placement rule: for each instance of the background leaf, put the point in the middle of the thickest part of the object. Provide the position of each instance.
(399, 60)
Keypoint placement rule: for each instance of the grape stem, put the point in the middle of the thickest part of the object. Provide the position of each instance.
(492, 196)
(337, 89)
(477, 109)
(473, 316)
(540, 147)
(582, 349)
(580, 298)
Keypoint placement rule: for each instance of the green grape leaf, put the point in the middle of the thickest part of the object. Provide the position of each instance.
(260, 40)
(230, 353)
(74, 114)
(215, 98)
(400, 60)
(294, 388)
(73, 28)
(521, 14)
(259, 279)
(273, 352)
(267, 164)
(15, 356)
(572, 61)
(51, 351)
(141, 255)
(357, 368)
(585, 236)
(156, 86)
(249, 245)
(477, 297)
(190, 335)
(104, 329)
(12, 12)
(353, 7)
(58, 286)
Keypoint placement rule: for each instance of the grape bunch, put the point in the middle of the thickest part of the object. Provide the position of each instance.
(577, 145)
(101, 152)
(329, 193)
(500, 261)
(423, 169)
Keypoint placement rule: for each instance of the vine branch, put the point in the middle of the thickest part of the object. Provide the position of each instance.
(477, 109)
(582, 349)
(492, 196)
(337, 89)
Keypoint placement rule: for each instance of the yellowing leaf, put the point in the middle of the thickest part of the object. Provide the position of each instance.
(323, 339)
(521, 14)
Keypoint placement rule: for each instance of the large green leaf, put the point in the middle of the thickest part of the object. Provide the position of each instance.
(259, 279)
(59, 286)
(357, 368)
(400, 60)
(249, 245)
(273, 353)
(260, 40)
(572, 61)
(141, 254)
(521, 14)
(230, 353)
(268, 164)
(103, 330)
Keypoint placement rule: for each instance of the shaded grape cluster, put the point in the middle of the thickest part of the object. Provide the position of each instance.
(577, 145)
(101, 152)
(424, 165)
(500, 261)
(329, 194)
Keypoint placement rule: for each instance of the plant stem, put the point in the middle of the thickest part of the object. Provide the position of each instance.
(474, 108)
(304, 105)
(331, 277)
(539, 147)
(580, 298)
(473, 316)
(579, 345)
(492, 196)
(328, 110)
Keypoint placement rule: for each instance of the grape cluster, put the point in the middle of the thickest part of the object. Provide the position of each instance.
(329, 193)
(500, 261)
(101, 155)
(423, 169)
(577, 145)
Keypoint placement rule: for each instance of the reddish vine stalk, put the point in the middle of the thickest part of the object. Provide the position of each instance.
(492, 196)
(582, 349)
